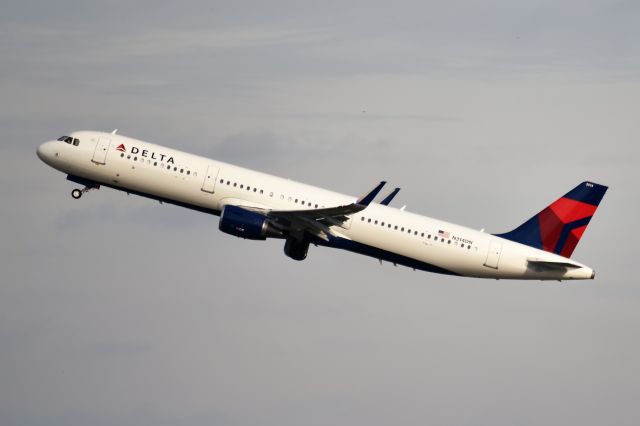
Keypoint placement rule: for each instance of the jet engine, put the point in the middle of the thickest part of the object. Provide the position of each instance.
(244, 223)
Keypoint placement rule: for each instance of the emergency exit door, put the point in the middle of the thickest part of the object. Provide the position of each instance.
(210, 179)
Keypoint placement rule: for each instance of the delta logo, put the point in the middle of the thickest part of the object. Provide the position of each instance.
(146, 154)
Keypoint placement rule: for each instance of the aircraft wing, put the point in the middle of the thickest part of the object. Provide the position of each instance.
(318, 222)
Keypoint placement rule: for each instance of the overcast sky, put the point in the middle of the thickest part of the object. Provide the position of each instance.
(116, 310)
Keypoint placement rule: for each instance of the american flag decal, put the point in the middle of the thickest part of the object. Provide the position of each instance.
(443, 234)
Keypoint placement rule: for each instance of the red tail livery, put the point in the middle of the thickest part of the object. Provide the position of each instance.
(558, 228)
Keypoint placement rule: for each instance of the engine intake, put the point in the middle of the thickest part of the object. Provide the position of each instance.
(244, 223)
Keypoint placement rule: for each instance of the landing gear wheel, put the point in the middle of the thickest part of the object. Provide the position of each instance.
(76, 193)
(297, 250)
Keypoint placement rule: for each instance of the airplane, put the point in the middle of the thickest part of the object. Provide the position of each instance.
(257, 206)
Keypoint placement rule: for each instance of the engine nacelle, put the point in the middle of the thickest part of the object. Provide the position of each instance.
(244, 223)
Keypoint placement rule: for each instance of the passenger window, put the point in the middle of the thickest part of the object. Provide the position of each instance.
(234, 184)
(376, 222)
(369, 220)
(122, 155)
(188, 172)
(395, 227)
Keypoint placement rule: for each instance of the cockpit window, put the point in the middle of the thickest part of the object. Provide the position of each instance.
(69, 140)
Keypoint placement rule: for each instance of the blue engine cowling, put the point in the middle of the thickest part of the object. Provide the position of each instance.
(244, 223)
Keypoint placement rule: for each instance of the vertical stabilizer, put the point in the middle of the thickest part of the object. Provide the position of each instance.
(559, 227)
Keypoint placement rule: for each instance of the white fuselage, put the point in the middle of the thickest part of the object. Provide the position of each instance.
(380, 231)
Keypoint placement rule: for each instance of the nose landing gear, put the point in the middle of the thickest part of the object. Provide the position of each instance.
(88, 185)
(77, 193)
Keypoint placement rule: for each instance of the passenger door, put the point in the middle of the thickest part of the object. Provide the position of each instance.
(210, 179)
(493, 255)
(102, 147)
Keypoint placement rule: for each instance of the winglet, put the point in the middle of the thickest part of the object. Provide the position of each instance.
(365, 200)
(390, 197)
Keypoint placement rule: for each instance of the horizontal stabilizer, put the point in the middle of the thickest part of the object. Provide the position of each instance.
(551, 264)
(390, 197)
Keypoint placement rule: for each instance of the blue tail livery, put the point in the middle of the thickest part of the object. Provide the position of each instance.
(559, 227)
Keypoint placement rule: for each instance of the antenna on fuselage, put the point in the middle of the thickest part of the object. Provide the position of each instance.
(114, 131)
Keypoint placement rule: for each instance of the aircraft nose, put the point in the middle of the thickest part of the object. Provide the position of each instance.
(45, 151)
